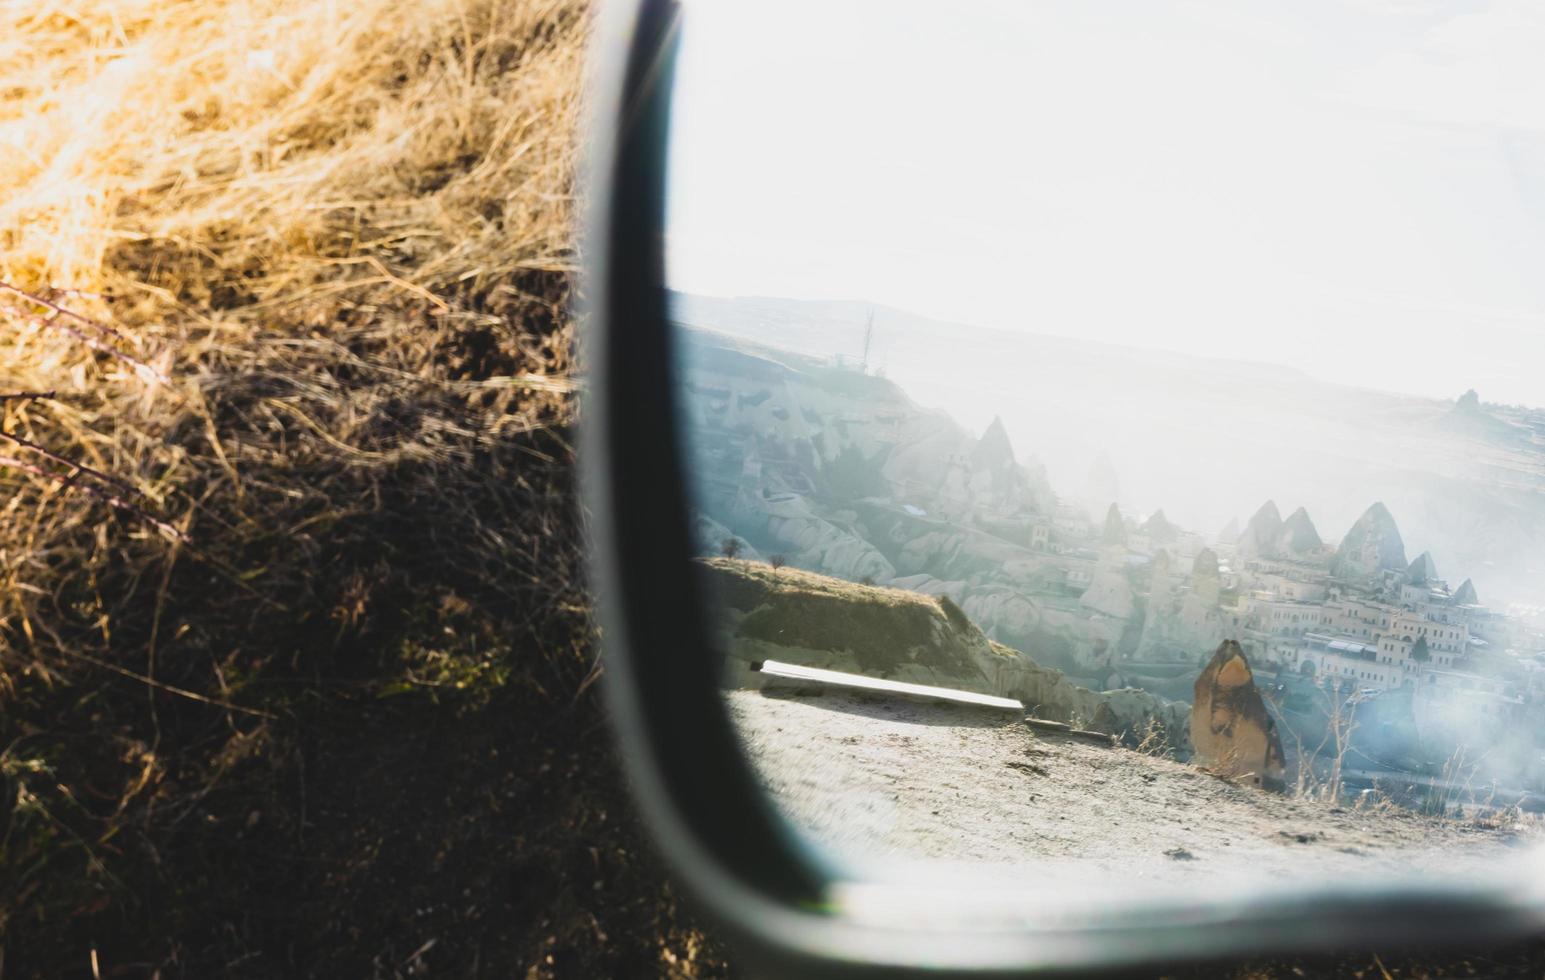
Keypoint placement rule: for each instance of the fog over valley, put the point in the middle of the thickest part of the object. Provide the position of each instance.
(1206, 441)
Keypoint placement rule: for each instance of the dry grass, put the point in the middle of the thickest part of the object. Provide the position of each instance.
(330, 245)
(284, 144)
(313, 213)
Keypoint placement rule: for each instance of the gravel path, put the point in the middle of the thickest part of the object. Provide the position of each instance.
(882, 780)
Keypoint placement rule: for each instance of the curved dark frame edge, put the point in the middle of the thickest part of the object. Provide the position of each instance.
(694, 787)
(661, 671)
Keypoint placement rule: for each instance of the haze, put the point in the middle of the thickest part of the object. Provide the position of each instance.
(1350, 189)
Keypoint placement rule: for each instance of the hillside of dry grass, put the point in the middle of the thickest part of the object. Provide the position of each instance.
(295, 655)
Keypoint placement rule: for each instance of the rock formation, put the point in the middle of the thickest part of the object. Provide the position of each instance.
(1179, 621)
(1159, 530)
(1110, 594)
(817, 621)
(1232, 733)
(1115, 533)
(790, 527)
(1261, 535)
(1206, 582)
(1372, 545)
(1470, 420)
(769, 420)
(1299, 538)
(1175, 620)
(1204, 566)
(1423, 569)
(988, 480)
(1465, 595)
(993, 450)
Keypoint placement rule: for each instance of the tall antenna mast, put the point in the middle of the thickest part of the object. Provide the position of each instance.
(868, 338)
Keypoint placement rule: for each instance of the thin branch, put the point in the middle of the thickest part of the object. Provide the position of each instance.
(69, 481)
(26, 396)
(96, 325)
(140, 367)
(168, 688)
(66, 461)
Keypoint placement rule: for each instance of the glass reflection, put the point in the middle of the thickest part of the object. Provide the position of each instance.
(1166, 369)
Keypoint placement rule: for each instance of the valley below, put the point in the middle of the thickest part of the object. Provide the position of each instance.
(842, 524)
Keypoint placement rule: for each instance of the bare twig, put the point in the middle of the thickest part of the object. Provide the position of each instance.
(79, 468)
(69, 481)
(58, 310)
(26, 396)
(168, 688)
(141, 367)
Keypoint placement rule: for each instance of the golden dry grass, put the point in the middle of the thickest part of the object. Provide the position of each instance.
(309, 190)
(284, 144)
(279, 710)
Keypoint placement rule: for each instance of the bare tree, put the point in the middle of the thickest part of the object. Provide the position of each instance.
(730, 547)
(777, 561)
(1343, 722)
(1334, 743)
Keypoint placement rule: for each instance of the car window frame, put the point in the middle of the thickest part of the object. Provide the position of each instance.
(738, 858)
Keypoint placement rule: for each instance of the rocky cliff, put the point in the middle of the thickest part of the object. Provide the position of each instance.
(839, 472)
(784, 443)
(1232, 433)
(1423, 569)
(815, 620)
(1260, 536)
(1373, 545)
(1299, 536)
(1470, 419)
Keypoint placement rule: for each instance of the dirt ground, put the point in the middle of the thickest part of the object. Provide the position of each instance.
(886, 781)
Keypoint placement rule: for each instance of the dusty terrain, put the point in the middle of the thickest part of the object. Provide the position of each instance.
(883, 780)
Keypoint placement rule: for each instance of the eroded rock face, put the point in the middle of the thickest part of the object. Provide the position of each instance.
(1423, 569)
(1002, 612)
(1178, 623)
(1110, 594)
(1261, 535)
(1205, 581)
(813, 543)
(1373, 545)
(1299, 536)
(1466, 595)
(1232, 733)
(1115, 533)
(817, 621)
(1470, 419)
(1159, 529)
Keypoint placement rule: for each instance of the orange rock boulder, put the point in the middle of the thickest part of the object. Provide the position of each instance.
(1231, 731)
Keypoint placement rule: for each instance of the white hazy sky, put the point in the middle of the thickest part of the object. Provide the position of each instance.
(1351, 187)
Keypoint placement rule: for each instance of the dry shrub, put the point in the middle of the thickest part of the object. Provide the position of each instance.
(1155, 740)
(323, 700)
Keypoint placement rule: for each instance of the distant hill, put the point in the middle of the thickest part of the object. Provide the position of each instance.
(1203, 439)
